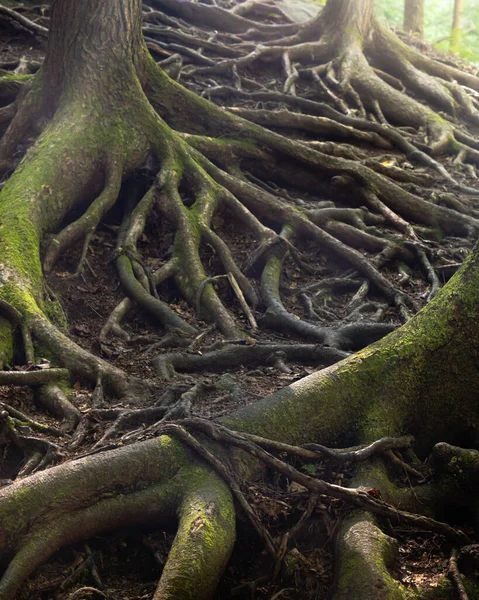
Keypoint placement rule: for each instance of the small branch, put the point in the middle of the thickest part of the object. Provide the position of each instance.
(242, 301)
(404, 465)
(79, 594)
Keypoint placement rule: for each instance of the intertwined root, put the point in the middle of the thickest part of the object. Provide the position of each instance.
(228, 165)
(202, 175)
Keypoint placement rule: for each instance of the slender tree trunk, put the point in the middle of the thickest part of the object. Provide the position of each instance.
(456, 30)
(414, 16)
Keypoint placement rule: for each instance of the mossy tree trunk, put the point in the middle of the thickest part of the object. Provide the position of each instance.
(95, 125)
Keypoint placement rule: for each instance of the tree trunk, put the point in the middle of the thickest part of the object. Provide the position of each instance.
(106, 46)
(349, 17)
(414, 16)
(98, 133)
(456, 30)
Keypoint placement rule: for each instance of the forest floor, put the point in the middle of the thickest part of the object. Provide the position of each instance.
(125, 565)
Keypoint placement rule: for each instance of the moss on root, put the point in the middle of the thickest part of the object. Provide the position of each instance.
(366, 552)
(54, 312)
(6, 342)
(204, 540)
(395, 386)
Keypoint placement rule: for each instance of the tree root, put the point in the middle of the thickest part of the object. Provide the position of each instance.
(455, 576)
(152, 305)
(54, 399)
(121, 310)
(33, 378)
(202, 171)
(227, 357)
(357, 497)
(23, 21)
(39, 453)
(87, 223)
(23, 420)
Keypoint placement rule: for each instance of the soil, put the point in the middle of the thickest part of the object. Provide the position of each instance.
(126, 565)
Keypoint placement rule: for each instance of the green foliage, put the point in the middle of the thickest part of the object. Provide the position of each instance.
(438, 23)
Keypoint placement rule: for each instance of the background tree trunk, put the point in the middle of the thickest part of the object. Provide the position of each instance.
(456, 30)
(414, 16)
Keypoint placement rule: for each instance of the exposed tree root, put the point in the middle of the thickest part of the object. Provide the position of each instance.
(23, 21)
(54, 399)
(455, 575)
(228, 356)
(32, 377)
(38, 453)
(209, 166)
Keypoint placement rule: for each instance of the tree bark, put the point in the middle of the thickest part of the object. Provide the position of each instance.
(349, 17)
(414, 16)
(107, 44)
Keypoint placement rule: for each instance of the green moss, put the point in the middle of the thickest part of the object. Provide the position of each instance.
(55, 313)
(472, 588)
(11, 77)
(365, 553)
(445, 590)
(42, 351)
(6, 342)
(20, 298)
(205, 536)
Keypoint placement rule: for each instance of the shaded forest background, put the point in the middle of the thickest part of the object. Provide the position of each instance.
(437, 23)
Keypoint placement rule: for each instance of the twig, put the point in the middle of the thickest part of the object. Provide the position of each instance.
(78, 594)
(192, 442)
(404, 465)
(242, 301)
